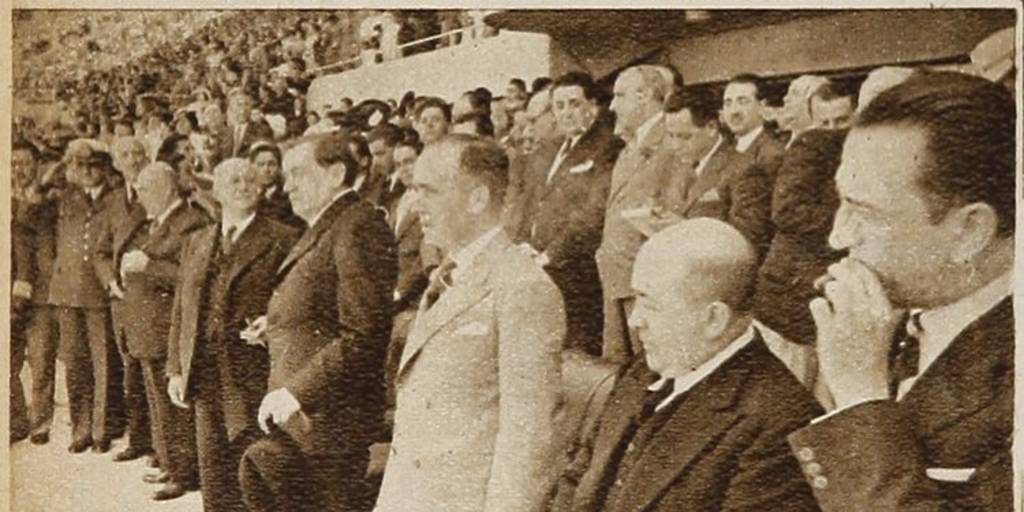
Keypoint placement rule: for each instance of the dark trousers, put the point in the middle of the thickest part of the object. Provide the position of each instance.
(219, 454)
(277, 476)
(584, 313)
(91, 363)
(173, 428)
(136, 406)
(19, 423)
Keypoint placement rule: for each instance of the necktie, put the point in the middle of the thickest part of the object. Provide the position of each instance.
(559, 158)
(227, 244)
(905, 354)
(440, 280)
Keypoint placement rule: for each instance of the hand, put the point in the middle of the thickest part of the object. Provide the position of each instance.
(278, 406)
(542, 259)
(856, 323)
(176, 390)
(116, 292)
(134, 261)
(254, 331)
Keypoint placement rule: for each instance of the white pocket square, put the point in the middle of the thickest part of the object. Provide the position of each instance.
(581, 168)
(956, 475)
(473, 329)
(710, 195)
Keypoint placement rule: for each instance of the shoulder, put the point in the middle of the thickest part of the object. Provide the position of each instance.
(277, 230)
(517, 273)
(773, 393)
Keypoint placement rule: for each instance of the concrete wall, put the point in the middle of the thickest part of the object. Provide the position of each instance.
(842, 40)
(446, 72)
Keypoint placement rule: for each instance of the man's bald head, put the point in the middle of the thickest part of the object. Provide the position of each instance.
(704, 258)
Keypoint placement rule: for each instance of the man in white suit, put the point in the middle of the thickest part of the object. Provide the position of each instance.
(479, 379)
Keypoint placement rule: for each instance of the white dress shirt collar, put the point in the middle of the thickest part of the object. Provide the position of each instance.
(159, 220)
(238, 227)
(645, 129)
(686, 382)
(940, 326)
(325, 208)
(743, 142)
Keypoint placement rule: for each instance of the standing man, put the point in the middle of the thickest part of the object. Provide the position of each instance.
(82, 298)
(229, 277)
(149, 267)
(328, 325)
(925, 399)
(479, 381)
(638, 179)
(567, 213)
(743, 106)
(121, 221)
(244, 131)
(795, 116)
(34, 328)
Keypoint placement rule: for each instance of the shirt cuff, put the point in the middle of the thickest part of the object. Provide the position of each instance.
(21, 289)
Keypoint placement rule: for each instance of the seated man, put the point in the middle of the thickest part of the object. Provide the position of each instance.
(708, 428)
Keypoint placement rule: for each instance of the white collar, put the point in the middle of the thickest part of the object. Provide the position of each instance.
(644, 129)
(94, 192)
(238, 226)
(743, 142)
(707, 157)
(465, 256)
(324, 209)
(940, 326)
(687, 381)
(167, 213)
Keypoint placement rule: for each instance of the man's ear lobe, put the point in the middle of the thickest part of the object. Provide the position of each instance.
(976, 226)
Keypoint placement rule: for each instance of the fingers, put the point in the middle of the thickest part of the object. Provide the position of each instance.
(262, 417)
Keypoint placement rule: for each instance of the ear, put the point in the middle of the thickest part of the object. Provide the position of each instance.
(717, 316)
(479, 200)
(975, 227)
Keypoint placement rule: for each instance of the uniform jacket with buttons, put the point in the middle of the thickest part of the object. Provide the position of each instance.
(77, 280)
(945, 446)
(149, 294)
(723, 448)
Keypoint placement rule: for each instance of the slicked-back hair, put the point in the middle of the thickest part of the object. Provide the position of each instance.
(578, 79)
(265, 147)
(752, 79)
(703, 104)
(483, 160)
(410, 138)
(433, 102)
(969, 124)
(336, 147)
(389, 133)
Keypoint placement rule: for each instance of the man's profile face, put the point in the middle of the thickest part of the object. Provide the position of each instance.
(573, 112)
(23, 166)
(441, 202)
(883, 220)
(382, 159)
(794, 115)
(741, 110)
(405, 163)
(309, 186)
(626, 103)
(129, 159)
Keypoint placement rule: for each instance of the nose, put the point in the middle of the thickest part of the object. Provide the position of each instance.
(844, 231)
(636, 319)
(614, 106)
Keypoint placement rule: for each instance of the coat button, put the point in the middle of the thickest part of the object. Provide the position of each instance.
(819, 482)
(813, 469)
(805, 454)
(85, 258)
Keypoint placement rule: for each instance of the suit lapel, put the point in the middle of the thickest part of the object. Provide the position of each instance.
(638, 159)
(710, 178)
(311, 235)
(472, 289)
(706, 414)
(972, 372)
(252, 243)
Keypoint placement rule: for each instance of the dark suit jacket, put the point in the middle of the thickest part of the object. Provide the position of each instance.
(149, 295)
(251, 269)
(329, 324)
(804, 204)
(277, 206)
(958, 415)
(723, 447)
(565, 220)
(517, 201)
(33, 245)
(768, 151)
(79, 278)
(732, 188)
(414, 259)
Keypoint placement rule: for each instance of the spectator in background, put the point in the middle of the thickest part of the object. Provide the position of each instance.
(244, 131)
(474, 123)
(158, 129)
(830, 110)
(274, 204)
(795, 115)
(432, 118)
(743, 106)
(382, 188)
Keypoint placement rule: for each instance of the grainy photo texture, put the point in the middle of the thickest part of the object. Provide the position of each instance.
(507, 260)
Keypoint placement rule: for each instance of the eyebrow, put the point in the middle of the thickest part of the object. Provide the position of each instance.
(859, 203)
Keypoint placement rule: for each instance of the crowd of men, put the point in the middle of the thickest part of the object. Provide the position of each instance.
(543, 302)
